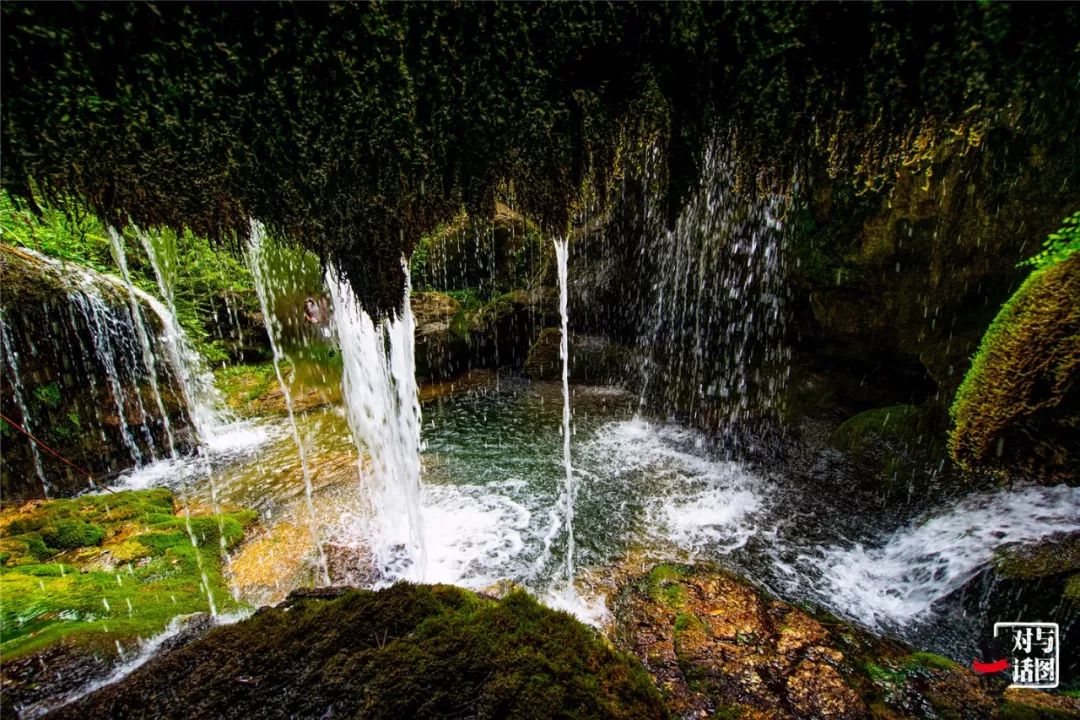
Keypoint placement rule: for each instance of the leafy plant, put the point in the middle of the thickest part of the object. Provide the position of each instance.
(1058, 245)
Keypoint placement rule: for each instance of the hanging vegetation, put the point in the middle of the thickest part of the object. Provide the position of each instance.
(352, 129)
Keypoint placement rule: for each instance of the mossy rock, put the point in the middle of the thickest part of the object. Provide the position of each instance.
(714, 640)
(409, 651)
(1018, 409)
(1059, 553)
(897, 444)
(100, 571)
(592, 359)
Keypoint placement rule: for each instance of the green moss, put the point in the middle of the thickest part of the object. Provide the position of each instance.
(48, 394)
(931, 661)
(71, 534)
(98, 553)
(1059, 553)
(423, 122)
(1020, 711)
(662, 585)
(885, 675)
(898, 422)
(1072, 589)
(1015, 409)
(407, 651)
(243, 384)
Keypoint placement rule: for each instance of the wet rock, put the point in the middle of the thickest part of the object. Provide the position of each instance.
(442, 340)
(1018, 410)
(718, 647)
(406, 651)
(1038, 582)
(81, 378)
(593, 359)
(899, 448)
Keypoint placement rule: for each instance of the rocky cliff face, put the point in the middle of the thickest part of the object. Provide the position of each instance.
(75, 376)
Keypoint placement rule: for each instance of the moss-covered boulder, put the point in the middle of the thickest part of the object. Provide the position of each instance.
(593, 359)
(85, 580)
(718, 647)
(409, 651)
(899, 447)
(1018, 409)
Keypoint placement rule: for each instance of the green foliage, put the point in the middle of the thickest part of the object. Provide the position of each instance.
(202, 116)
(197, 274)
(407, 651)
(48, 394)
(1058, 245)
(71, 567)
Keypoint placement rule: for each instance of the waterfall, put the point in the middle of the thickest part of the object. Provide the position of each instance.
(116, 243)
(110, 342)
(569, 491)
(181, 350)
(11, 359)
(205, 405)
(714, 327)
(257, 264)
(379, 387)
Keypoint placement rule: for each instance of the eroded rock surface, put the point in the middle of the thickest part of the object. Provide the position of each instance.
(719, 648)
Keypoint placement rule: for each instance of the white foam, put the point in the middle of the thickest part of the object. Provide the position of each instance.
(692, 501)
(929, 559)
(473, 536)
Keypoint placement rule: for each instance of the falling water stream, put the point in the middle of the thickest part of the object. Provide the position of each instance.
(257, 264)
(383, 411)
(569, 491)
(187, 364)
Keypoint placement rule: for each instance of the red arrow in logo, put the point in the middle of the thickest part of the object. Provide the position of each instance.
(990, 667)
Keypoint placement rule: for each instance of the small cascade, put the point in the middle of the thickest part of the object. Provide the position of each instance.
(569, 493)
(119, 254)
(176, 341)
(97, 371)
(257, 264)
(713, 335)
(110, 335)
(204, 402)
(11, 363)
(894, 583)
(379, 386)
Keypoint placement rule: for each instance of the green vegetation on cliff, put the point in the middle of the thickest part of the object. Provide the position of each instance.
(354, 129)
(202, 277)
(409, 651)
(1017, 406)
(98, 570)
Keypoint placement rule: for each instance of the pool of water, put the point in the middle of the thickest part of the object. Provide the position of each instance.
(648, 490)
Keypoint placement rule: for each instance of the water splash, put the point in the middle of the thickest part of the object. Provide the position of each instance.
(205, 404)
(116, 244)
(11, 361)
(713, 340)
(257, 264)
(383, 410)
(899, 581)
